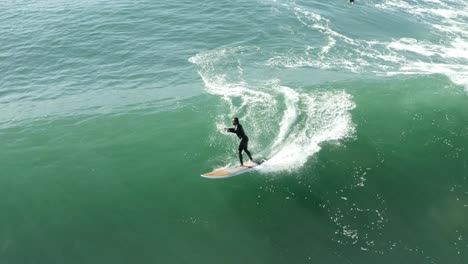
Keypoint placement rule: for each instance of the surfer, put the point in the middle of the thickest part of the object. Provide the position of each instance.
(239, 131)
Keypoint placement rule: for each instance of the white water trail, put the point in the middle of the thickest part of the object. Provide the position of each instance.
(292, 122)
(289, 115)
(324, 117)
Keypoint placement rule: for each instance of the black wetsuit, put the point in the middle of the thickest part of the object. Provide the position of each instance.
(243, 145)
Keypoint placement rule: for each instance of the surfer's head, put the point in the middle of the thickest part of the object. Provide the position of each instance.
(235, 121)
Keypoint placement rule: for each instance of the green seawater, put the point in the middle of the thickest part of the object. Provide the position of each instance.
(110, 111)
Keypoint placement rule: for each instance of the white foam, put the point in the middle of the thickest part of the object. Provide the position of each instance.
(445, 52)
(326, 48)
(412, 45)
(446, 17)
(290, 114)
(457, 73)
(325, 116)
(211, 71)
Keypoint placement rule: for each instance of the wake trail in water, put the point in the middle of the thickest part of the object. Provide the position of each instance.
(323, 116)
(299, 120)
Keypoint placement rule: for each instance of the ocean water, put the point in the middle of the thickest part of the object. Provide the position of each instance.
(110, 111)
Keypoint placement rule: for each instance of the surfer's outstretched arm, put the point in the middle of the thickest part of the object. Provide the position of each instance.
(230, 129)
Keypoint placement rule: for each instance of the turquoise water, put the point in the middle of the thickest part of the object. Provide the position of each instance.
(110, 111)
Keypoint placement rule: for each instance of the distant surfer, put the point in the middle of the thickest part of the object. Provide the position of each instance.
(239, 131)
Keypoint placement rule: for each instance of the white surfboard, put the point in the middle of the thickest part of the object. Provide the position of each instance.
(230, 171)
